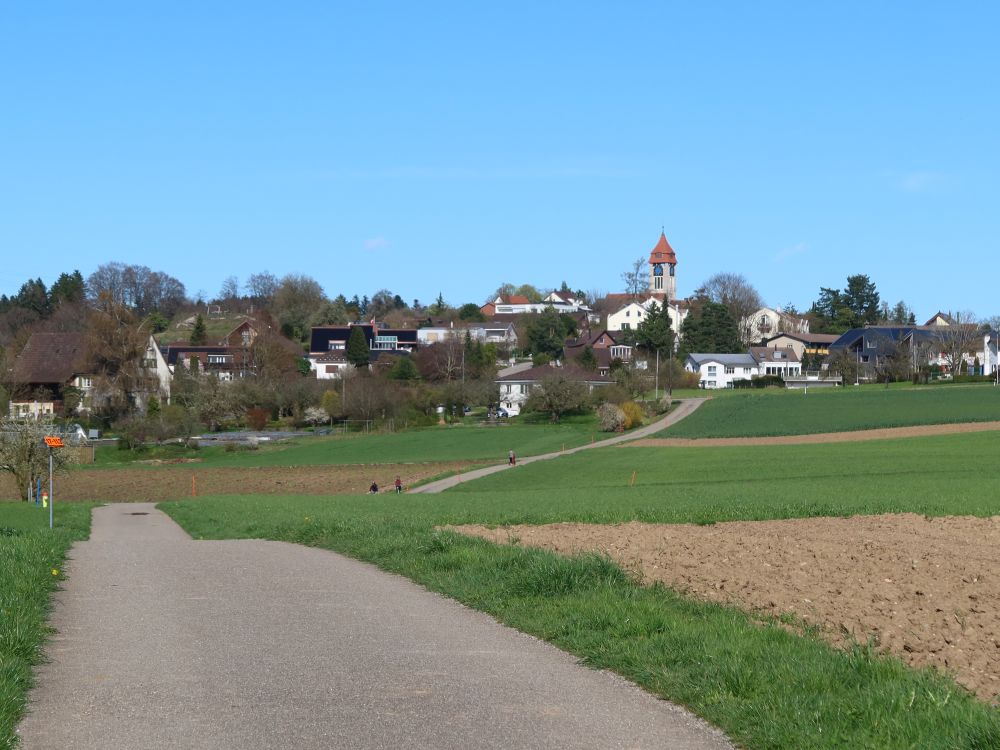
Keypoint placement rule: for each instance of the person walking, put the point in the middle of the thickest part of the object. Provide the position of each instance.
(511, 458)
(399, 485)
(373, 490)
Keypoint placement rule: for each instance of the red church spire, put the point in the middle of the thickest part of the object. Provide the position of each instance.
(663, 253)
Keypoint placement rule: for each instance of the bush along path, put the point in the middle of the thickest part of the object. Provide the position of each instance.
(683, 409)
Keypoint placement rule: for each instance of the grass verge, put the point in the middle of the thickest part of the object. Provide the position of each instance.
(31, 562)
(766, 687)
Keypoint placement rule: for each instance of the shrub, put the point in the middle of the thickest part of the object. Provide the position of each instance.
(611, 417)
(689, 380)
(257, 418)
(633, 414)
(609, 394)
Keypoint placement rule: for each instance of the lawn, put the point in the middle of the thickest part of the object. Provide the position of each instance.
(766, 687)
(468, 441)
(31, 560)
(795, 412)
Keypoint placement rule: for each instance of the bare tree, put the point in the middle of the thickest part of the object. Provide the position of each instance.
(442, 361)
(262, 286)
(23, 453)
(958, 339)
(740, 298)
(116, 348)
(297, 302)
(230, 290)
(635, 278)
(136, 287)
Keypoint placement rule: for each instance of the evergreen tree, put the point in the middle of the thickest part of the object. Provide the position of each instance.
(198, 334)
(404, 369)
(547, 333)
(69, 287)
(711, 329)
(358, 352)
(587, 360)
(654, 333)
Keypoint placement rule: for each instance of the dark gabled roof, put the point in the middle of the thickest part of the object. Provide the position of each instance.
(571, 372)
(872, 333)
(51, 358)
(321, 336)
(771, 354)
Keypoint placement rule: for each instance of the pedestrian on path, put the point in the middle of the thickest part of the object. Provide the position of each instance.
(511, 458)
(399, 485)
(373, 490)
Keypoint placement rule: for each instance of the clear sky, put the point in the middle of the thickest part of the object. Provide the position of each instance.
(426, 147)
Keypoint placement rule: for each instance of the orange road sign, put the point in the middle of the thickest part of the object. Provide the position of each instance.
(54, 442)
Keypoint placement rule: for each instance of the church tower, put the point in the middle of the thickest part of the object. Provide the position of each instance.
(662, 270)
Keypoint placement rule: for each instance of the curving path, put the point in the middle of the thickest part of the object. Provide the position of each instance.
(166, 642)
(683, 409)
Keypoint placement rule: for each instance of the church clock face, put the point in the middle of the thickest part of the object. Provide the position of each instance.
(658, 269)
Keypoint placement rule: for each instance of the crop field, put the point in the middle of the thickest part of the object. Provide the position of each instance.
(31, 560)
(761, 414)
(463, 442)
(767, 683)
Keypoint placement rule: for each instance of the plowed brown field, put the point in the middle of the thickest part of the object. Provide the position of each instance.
(927, 590)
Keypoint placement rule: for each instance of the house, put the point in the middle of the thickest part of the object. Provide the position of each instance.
(721, 370)
(633, 312)
(53, 372)
(940, 319)
(783, 361)
(516, 387)
(768, 322)
(51, 368)
(812, 344)
(606, 345)
(489, 332)
(328, 345)
(515, 304)
(874, 346)
(991, 353)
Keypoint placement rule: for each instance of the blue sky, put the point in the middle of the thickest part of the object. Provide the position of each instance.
(425, 147)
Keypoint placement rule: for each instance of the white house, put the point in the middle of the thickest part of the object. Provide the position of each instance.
(632, 314)
(487, 333)
(991, 353)
(781, 361)
(721, 370)
(768, 322)
(516, 387)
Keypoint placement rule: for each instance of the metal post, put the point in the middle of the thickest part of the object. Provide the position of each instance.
(52, 497)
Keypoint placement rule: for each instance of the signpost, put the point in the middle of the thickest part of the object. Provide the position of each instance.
(52, 442)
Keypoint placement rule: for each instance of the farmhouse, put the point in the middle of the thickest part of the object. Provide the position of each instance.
(721, 370)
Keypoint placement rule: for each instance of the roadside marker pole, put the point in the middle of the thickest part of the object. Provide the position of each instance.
(194, 486)
(632, 482)
(51, 443)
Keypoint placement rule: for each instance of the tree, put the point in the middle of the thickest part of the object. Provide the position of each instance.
(587, 359)
(33, 296)
(23, 453)
(547, 333)
(439, 305)
(710, 329)
(116, 346)
(297, 302)
(358, 352)
(262, 286)
(470, 311)
(404, 369)
(530, 292)
(331, 403)
(740, 298)
(198, 334)
(635, 278)
(655, 335)
(136, 287)
(441, 361)
(230, 291)
(958, 339)
(838, 311)
(504, 290)
(557, 394)
(69, 287)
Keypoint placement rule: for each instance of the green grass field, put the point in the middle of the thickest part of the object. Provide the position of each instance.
(472, 442)
(31, 560)
(764, 686)
(779, 412)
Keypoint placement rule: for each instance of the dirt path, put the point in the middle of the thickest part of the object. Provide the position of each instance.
(166, 642)
(175, 481)
(927, 589)
(823, 437)
(684, 408)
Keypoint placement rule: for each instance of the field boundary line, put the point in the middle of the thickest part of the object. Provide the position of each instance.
(849, 436)
(684, 409)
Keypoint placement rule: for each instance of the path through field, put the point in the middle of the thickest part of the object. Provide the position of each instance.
(683, 409)
(163, 642)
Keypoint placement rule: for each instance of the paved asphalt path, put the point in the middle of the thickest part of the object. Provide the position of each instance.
(166, 642)
(685, 407)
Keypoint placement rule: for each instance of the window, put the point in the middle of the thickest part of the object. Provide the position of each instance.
(730, 370)
(626, 326)
(219, 359)
(711, 370)
(658, 282)
(628, 313)
(671, 269)
(86, 382)
(336, 345)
